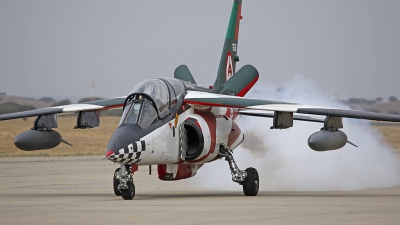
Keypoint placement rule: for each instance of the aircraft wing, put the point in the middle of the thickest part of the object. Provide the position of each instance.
(218, 100)
(258, 113)
(104, 104)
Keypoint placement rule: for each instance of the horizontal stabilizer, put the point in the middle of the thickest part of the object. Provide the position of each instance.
(242, 82)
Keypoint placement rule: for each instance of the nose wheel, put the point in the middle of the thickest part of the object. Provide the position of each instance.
(117, 192)
(248, 178)
(128, 194)
(123, 183)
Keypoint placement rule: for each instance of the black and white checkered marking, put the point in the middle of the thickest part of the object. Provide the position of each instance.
(130, 154)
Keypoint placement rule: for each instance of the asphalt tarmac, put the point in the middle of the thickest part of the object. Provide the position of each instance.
(78, 190)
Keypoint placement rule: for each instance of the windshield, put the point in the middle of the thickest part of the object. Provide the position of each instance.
(139, 111)
(148, 115)
(157, 90)
(133, 113)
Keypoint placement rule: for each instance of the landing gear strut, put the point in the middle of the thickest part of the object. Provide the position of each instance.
(248, 178)
(123, 183)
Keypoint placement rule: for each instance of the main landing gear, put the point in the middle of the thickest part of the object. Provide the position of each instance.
(247, 178)
(123, 183)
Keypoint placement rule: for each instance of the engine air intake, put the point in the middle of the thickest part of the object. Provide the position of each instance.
(195, 139)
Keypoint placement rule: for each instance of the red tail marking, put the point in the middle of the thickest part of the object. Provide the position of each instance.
(244, 91)
(239, 17)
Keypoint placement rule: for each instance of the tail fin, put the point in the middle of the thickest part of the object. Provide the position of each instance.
(229, 56)
(182, 72)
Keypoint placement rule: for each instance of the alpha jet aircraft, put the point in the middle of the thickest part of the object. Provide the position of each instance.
(179, 126)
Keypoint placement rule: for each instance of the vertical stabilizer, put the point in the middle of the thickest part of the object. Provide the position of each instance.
(182, 72)
(229, 55)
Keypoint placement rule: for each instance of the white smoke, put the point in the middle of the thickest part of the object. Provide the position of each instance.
(286, 163)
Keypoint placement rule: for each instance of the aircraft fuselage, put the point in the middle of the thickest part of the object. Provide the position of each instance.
(175, 134)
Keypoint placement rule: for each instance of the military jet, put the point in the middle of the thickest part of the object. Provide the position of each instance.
(179, 126)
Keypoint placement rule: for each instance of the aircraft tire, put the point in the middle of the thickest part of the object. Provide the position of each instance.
(116, 183)
(129, 193)
(251, 183)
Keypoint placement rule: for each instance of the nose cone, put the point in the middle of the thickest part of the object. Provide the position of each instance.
(125, 146)
(123, 136)
(109, 153)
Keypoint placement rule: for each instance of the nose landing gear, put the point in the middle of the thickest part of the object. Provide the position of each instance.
(123, 183)
(247, 178)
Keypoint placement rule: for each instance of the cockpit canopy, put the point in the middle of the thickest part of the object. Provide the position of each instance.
(157, 90)
(151, 99)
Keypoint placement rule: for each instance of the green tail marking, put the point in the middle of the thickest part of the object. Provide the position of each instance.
(229, 57)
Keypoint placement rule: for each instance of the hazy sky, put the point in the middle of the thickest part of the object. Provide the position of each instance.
(57, 48)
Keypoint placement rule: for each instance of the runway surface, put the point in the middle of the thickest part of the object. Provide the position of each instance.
(78, 190)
